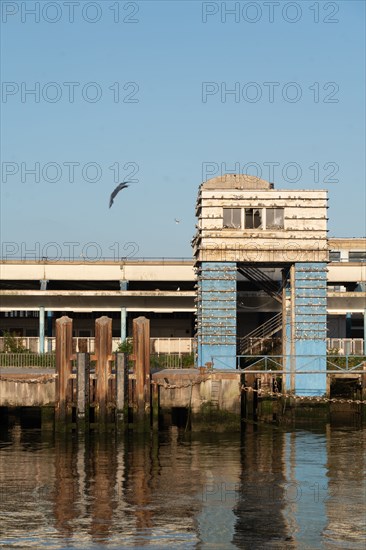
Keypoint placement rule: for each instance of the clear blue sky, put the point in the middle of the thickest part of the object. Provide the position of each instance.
(167, 122)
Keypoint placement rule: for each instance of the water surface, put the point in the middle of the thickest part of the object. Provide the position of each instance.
(266, 488)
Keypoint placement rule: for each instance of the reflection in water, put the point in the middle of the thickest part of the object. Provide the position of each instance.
(268, 488)
(261, 520)
(307, 475)
(345, 497)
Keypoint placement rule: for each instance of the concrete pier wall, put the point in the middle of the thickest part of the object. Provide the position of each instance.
(27, 391)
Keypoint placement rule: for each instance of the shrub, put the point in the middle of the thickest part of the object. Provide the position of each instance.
(12, 344)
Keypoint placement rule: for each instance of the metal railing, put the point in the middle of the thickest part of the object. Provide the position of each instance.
(309, 364)
(261, 333)
(159, 345)
(48, 360)
(29, 360)
(351, 364)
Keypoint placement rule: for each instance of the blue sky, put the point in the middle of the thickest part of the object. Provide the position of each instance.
(145, 87)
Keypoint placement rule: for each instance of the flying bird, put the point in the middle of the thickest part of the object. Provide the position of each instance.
(119, 188)
(176, 220)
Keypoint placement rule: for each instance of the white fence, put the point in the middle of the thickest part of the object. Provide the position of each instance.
(157, 345)
(344, 346)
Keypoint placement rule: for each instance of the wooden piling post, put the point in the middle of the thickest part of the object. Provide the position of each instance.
(250, 400)
(103, 356)
(63, 409)
(83, 376)
(363, 389)
(141, 343)
(121, 391)
(147, 376)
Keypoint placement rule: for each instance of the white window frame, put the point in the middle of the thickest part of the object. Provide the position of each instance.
(263, 211)
(232, 216)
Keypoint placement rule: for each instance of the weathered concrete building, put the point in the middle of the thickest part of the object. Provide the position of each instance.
(245, 225)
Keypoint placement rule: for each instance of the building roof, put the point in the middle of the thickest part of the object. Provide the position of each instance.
(236, 181)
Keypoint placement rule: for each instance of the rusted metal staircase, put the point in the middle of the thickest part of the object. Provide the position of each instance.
(259, 334)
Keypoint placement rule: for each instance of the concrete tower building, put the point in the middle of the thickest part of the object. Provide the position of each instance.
(246, 226)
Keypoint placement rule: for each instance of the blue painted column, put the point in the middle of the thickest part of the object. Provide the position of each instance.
(41, 329)
(216, 314)
(123, 324)
(310, 327)
(123, 285)
(49, 330)
(348, 325)
(43, 286)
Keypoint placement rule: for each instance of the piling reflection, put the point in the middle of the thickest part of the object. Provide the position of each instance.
(101, 480)
(65, 492)
(134, 489)
(161, 485)
(268, 488)
(139, 479)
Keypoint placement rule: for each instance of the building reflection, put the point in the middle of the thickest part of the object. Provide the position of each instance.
(218, 457)
(305, 457)
(262, 494)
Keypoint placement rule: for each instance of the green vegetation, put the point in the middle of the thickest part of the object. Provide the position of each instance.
(125, 347)
(335, 361)
(171, 361)
(15, 354)
(13, 344)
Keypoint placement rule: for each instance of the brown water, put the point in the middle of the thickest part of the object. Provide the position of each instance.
(266, 488)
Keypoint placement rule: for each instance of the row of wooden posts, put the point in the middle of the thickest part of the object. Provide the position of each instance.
(97, 391)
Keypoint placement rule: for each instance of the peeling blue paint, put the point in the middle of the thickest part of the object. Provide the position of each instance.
(216, 314)
(310, 327)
